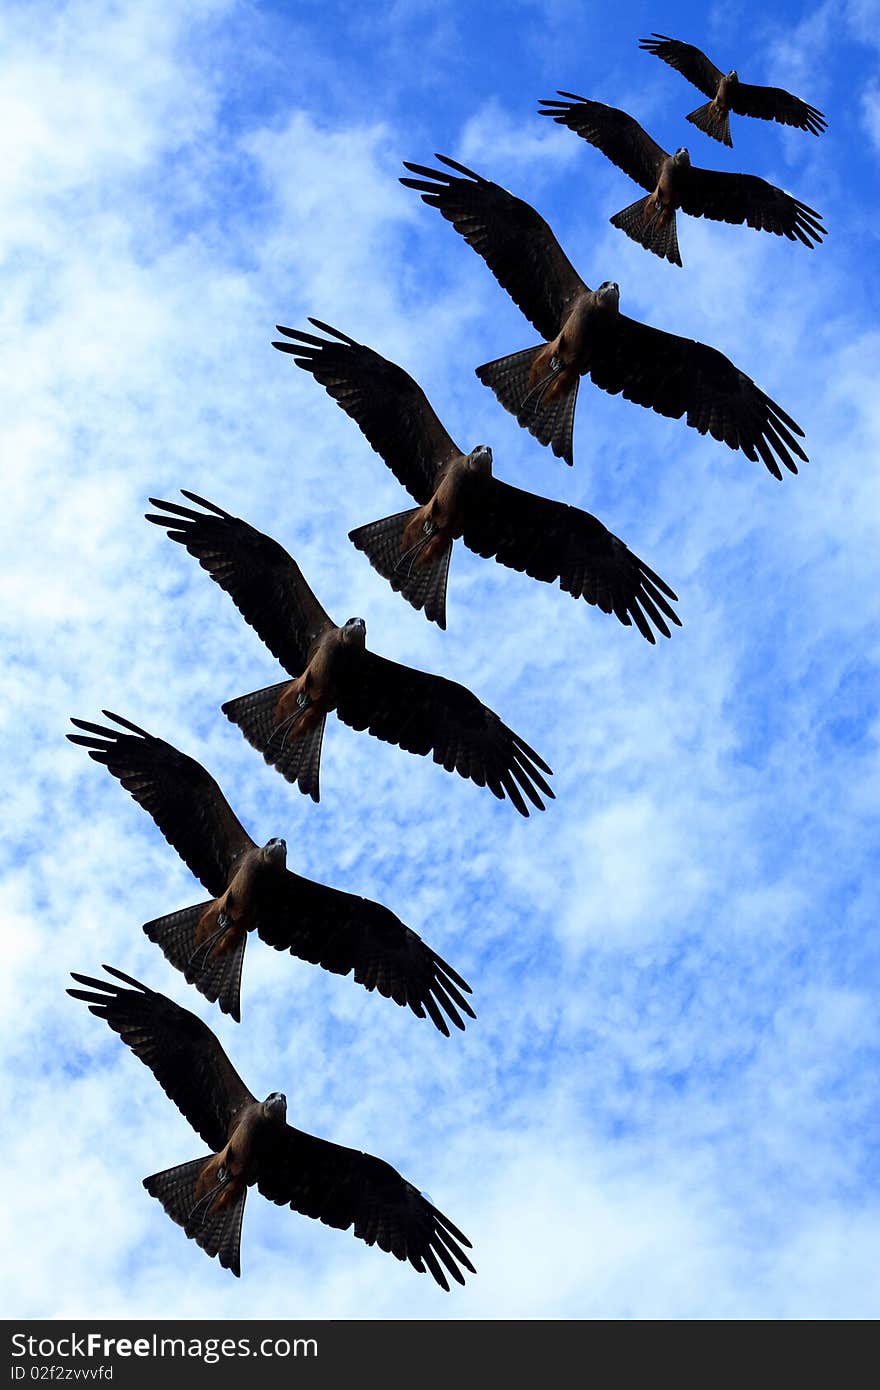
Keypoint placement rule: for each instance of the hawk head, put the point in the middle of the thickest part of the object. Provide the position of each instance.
(479, 460)
(275, 1107)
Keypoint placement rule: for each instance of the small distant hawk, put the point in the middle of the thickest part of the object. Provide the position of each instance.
(459, 496)
(673, 182)
(587, 335)
(729, 94)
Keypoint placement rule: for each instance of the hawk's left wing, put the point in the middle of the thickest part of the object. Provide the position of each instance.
(551, 540)
(429, 714)
(344, 1187)
(774, 104)
(738, 198)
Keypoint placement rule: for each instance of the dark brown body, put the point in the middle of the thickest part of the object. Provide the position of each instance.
(721, 102)
(207, 1196)
(567, 357)
(248, 878)
(432, 528)
(714, 118)
(660, 206)
(307, 700)
(236, 1166)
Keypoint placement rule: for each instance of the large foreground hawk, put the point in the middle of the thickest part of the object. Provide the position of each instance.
(251, 1145)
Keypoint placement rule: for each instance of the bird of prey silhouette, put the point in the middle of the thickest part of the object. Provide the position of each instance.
(252, 1145)
(458, 496)
(586, 334)
(673, 182)
(252, 890)
(729, 94)
(333, 670)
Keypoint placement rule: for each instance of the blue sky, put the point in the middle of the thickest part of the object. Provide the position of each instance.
(667, 1106)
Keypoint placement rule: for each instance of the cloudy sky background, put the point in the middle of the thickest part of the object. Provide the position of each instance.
(667, 1106)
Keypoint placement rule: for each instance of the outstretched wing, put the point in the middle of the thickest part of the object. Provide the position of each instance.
(619, 137)
(429, 714)
(746, 198)
(345, 933)
(678, 376)
(550, 540)
(391, 409)
(181, 796)
(514, 241)
(180, 1050)
(343, 1187)
(689, 61)
(774, 104)
(265, 584)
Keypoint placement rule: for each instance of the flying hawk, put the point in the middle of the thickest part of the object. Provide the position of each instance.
(252, 1145)
(729, 94)
(673, 182)
(332, 669)
(586, 334)
(253, 890)
(459, 496)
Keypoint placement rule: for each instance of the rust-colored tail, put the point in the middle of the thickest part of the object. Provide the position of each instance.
(217, 977)
(298, 759)
(214, 1224)
(714, 122)
(549, 419)
(659, 237)
(423, 584)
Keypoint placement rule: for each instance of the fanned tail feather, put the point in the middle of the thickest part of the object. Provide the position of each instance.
(714, 123)
(551, 421)
(214, 1225)
(422, 585)
(661, 238)
(217, 977)
(298, 759)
